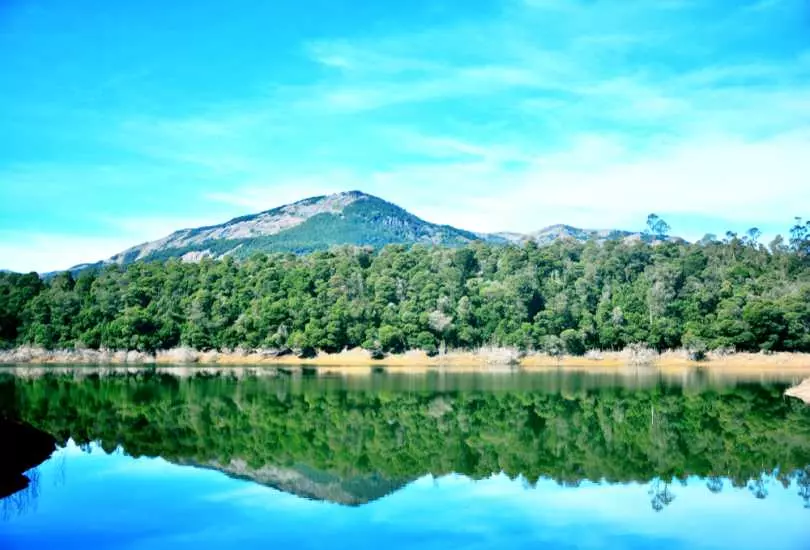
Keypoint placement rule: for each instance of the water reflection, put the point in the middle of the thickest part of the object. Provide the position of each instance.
(674, 446)
(23, 498)
(114, 500)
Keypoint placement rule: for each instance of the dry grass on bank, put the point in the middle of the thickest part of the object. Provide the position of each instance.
(490, 358)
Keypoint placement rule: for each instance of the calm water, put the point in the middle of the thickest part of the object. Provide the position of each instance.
(557, 459)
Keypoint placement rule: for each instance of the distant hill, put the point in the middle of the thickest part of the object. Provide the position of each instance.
(562, 232)
(317, 223)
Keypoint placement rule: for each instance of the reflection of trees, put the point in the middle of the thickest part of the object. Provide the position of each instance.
(661, 495)
(22, 448)
(715, 484)
(803, 481)
(22, 501)
(58, 468)
(759, 487)
(604, 434)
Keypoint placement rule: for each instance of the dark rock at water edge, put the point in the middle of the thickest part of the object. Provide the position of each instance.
(22, 447)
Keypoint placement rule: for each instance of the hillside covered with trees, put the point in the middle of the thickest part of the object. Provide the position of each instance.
(570, 296)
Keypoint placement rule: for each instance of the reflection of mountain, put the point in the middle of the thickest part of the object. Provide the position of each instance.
(351, 447)
(307, 482)
(22, 448)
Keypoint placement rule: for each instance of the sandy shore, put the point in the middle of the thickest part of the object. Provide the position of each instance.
(489, 359)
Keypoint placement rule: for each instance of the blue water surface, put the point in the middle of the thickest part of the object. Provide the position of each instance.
(85, 498)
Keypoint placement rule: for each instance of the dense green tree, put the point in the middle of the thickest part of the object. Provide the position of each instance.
(578, 296)
(657, 227)
(16, 290)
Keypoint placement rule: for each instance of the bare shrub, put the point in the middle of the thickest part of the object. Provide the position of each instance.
(500, 355)
(724, 351)
(639, 354)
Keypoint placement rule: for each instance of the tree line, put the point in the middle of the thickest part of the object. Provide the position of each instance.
(566, 297)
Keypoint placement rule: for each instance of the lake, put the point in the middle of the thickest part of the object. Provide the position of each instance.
(557, 458)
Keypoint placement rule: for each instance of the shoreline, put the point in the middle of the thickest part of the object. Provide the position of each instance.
(482, 359)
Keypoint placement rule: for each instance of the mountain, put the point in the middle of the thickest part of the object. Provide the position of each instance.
(317, 223)
(562, 232)
(310, 483)
(305, 226)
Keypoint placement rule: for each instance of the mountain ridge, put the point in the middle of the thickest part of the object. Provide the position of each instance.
(314, 223)
(320, 222)
(308, 482)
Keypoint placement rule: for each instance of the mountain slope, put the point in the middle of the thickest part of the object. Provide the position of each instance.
(310, 483)
(562, 232)
(305, 226)
(565, 232)
(349, 218)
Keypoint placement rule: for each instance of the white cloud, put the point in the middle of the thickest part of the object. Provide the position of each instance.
(265, 193)
(42, 252)
(368, 95)
(344, 56)
(25, 251)
(604, 114)
(600, 184)
(149, 228)
(596, 182)
(443, 147)
(764, 5)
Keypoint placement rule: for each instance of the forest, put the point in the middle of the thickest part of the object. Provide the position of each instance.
(567, 297)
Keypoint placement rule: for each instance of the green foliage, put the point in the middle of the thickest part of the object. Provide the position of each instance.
(552, 345)
(800, 238)
(572, 342)
(402, 432)
(371, 222)
(657, 227)
(695, 346)
(16, 290)
(565, 298)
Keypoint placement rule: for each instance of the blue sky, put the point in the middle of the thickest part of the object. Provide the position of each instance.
(124, 121)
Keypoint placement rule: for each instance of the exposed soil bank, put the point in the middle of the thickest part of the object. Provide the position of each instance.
(489, 358)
